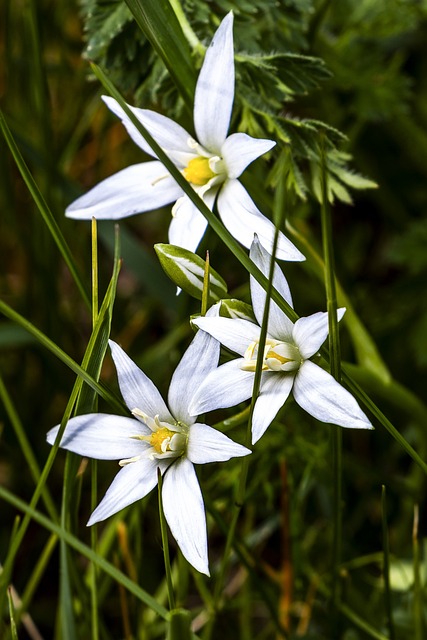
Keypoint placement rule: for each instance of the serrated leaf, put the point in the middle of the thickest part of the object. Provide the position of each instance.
(187, 271)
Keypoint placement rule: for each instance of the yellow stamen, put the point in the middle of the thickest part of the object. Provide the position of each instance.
(160, 439)
(198, 171)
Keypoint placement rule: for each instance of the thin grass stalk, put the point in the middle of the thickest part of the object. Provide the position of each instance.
(241, 489)
(94, 463)
(205, 292)
(386, 565)
(165, 544)
(44, 210)
(66, 611)
(335, 368)
(38, 85)
(418, 611)
(13, 629)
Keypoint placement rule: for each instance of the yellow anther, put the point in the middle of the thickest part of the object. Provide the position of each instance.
(198, 171)
(160, 439)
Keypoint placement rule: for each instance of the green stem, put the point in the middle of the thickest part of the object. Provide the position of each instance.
(335, 367)
(165, 544)
(386, 565)
(44, 209)
(241, 490)
(94, 463)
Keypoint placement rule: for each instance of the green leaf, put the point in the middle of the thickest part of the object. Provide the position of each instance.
(158, 22)
(233, 308)
(187, 271)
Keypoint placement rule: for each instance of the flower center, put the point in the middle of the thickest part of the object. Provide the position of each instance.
(278, 356)
(165, 440)
(198, 171)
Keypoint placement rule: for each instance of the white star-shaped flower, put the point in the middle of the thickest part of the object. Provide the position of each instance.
(212, 164)
(287, 366)
(158, 437)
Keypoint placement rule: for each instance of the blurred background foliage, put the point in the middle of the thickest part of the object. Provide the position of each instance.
(351, 73)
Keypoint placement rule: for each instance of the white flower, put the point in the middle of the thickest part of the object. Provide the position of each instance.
(157, 438)
(286, 364)
(211, 165)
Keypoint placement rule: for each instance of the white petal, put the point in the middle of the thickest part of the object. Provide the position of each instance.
(323, 397)
(209, 445)
(242, 218)
(168, 134)
(311, 332)
(136, 189)
(188, 225)
(234, 333)
(132, 483)
(239, 150)
(102, 436)
(136, 388)
(279, 325)
(185, 513)
(213, 101)
(275, 389)
(197, 362)
(224, 387)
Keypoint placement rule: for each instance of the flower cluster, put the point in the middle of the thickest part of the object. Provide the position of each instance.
(167, 437)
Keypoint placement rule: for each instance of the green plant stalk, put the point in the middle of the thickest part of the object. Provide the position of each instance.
(241, 490)
(38, 85)
(43, 208)
(26, 447)
(84, 550)
(238, 252)
(205, 292)
(187, 30)
(66, 611)
(335, 367)
(159, 23)
(165, 544)
(386, 565)
(94, 463)
(12, 615)
(418, 591)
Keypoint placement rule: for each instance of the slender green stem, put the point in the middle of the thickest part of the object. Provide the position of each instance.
(335, 367)
(386, 565)
(12, 614)
(241, 489)
(418, 611)
(165, 544)
(44, 209)
(94, 463)
(205, 292)
(187, 30)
